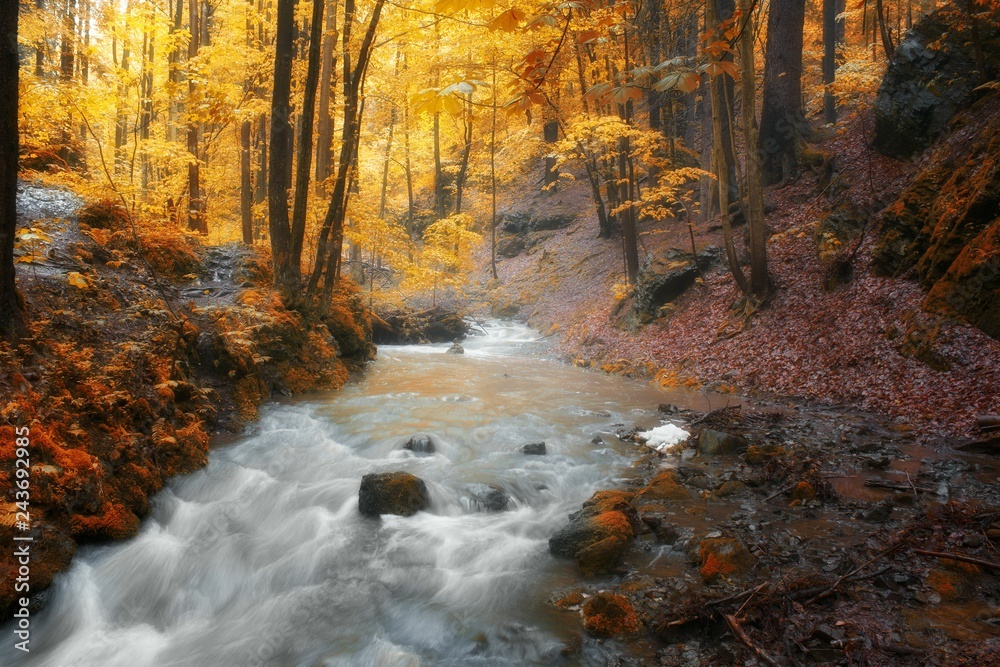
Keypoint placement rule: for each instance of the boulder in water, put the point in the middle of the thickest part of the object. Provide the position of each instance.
(609, 615)
(487, 498)
(392, 493)
(420, 443)
(598, 535)
(534, 449)
(456, 348)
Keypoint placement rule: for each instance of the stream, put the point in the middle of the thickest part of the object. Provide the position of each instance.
(262, 557)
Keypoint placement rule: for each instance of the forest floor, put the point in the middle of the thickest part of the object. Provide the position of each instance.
(139, 348)
(833, 347)
(852, 462)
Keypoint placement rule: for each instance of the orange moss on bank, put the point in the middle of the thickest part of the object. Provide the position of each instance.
(723, 557)
(610, 615)
(119, 393)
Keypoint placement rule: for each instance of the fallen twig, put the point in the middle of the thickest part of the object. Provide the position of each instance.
(961, 557)
(882, 484)
(718, 411)
(745, 638)
(779, 492)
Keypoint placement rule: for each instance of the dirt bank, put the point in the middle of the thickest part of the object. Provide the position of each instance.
(135, 356)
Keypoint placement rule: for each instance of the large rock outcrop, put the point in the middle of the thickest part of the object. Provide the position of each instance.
(945, 227)
(933, 74)
(664, 278)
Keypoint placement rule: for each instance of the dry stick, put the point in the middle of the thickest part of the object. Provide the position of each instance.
(962, 557)
(853, 572)
(716, 412)
(882, 484)
(743, 637)
(780, 491)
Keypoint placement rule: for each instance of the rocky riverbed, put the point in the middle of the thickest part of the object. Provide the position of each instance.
(811, 537)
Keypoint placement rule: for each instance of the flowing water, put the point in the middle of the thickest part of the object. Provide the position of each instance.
(262, 558)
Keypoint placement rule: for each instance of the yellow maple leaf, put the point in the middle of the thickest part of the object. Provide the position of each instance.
(77, 280)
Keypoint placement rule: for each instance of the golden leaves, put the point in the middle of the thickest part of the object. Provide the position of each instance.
(508, 21)
(77, 280)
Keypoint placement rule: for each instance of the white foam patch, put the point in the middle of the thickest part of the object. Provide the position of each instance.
(663, 437)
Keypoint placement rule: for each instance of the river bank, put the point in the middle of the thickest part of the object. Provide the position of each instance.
(794, 536)
(136, 355)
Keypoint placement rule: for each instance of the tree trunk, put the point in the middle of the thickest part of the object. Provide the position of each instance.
(386, 159)
(550, 133)
(782, 123)
(196, 208)
(40, 46)
(829, 59)
(173, 70)
(463, 168)
(721, 171)
(331, 241)
(67, 52)
(493, 173)
(439, 205)
(304, 165)
(884, 30)
(759, 279)
(324, 123)
(246, 186)
(410, 201)
(11, 312)
(281, 134)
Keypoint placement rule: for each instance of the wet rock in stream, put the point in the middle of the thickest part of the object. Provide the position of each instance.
(392, 493)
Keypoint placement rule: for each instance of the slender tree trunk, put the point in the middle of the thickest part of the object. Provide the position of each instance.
(122, 110)
(386, 159)
(725, 88)
(85, 34)
(884, 30)
(782, 122)
(146, 90)
(410, 202)
(759, 279)
(550, 132)
(721, 172)
(281, 136)
(493, 172)
(40, 46)
(11, 310)
(246, 186)
(67, 51)
(324, 123)
(304, 165)
(439, 204)
(331, 241)
(173, 70)
(463, 168)
(605, 228)
(196, 206)
(829, 59)
(630, 238)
